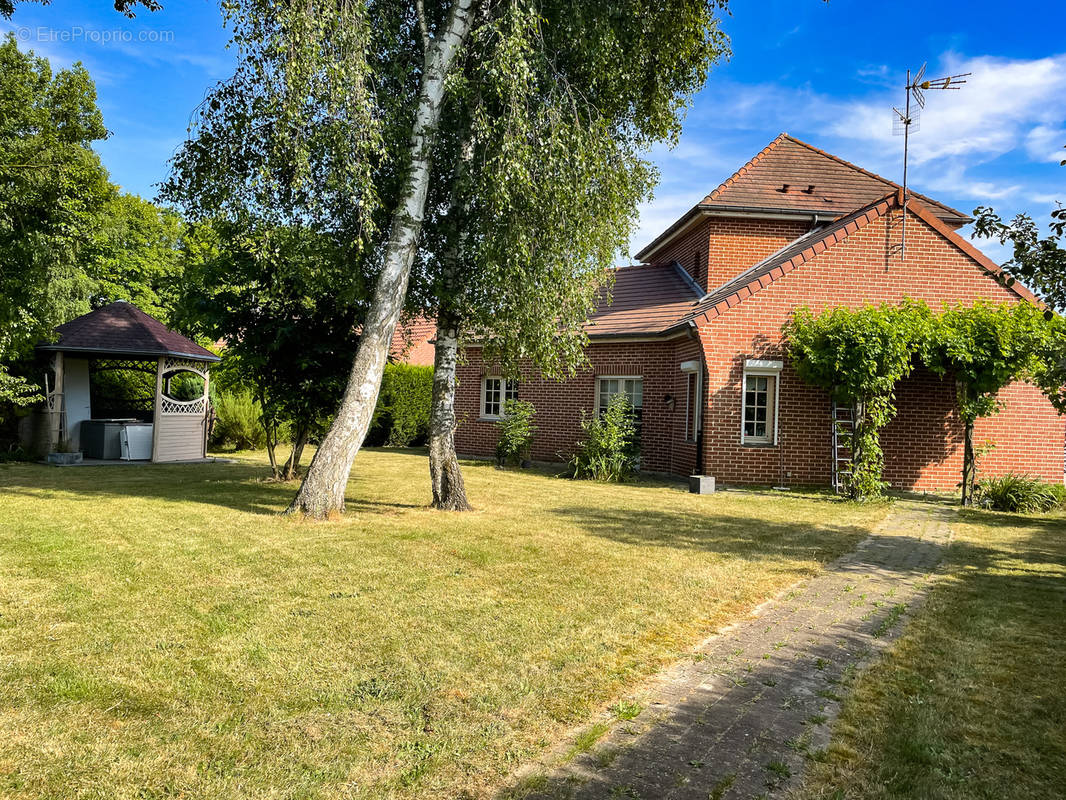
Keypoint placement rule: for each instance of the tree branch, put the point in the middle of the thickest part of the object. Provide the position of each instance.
(420, 12)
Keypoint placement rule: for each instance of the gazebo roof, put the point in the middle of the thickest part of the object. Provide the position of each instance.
(120, 329)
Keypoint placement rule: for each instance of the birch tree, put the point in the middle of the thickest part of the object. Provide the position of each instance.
(542, 171)
(307, 132)
(345, 117)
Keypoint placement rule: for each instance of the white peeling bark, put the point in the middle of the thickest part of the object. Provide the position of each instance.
(322, 491)
(449, 489)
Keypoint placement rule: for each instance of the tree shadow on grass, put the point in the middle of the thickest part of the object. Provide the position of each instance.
(238, 486)
(749, 537)
(764, 711)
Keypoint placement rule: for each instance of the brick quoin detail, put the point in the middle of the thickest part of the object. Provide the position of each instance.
(923, 444)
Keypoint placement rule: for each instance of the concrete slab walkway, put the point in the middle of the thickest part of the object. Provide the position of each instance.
(741, 717)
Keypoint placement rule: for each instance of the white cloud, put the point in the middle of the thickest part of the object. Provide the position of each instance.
(1046, 143)
(1002, 105)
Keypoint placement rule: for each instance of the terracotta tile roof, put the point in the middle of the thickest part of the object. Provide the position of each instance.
(817, 241)
(646, 299)
(816, 181)
(121, 328)
(412, 341)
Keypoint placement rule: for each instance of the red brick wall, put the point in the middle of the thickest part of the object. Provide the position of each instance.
(922, 446)
(560, 404)
(720, 248)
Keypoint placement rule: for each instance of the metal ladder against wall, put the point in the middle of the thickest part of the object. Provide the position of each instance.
(843, 422)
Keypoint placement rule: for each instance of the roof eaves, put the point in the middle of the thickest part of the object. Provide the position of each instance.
(838, 231)
(668, 234)
(139, 352)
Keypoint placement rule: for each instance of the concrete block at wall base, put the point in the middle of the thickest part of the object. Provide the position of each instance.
(64, 459)
(701, 484)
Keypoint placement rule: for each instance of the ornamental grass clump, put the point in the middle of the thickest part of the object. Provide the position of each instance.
(1019, 493)
(238, 421)
(610, 450)
(516, 431)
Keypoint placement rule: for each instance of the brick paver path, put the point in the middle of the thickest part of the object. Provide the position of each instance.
(740, 718)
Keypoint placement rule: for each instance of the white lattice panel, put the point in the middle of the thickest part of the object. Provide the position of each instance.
(168, 405)
(184, 365)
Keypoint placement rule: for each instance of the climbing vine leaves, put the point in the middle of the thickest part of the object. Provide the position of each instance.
(858, 357)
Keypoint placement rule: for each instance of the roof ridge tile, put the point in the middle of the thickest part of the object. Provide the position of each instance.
(751, 162)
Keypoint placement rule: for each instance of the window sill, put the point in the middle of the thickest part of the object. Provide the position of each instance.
(758, 444)
(489, 419)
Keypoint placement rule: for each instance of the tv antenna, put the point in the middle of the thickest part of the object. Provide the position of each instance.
(910, 117)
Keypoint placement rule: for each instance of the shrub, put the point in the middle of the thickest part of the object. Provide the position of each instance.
(404, 403)
(516, 431)
(238, 420)
(1019, 493)
(610, 448)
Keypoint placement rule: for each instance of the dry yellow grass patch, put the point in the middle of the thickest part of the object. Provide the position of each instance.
(163, 633)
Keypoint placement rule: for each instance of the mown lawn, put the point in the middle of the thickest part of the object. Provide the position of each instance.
(163, 633)
(971, 702)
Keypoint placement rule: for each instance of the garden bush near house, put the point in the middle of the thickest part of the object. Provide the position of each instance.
(610, 449)
(516, 431)
(401, 418)
(1019, 493)
(238, 420)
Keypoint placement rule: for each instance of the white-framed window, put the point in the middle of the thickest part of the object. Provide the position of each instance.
(760, 402)
(632, 386)
(693, 383)
(494, 393)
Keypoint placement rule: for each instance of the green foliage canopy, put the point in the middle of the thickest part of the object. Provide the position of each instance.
(985, 347)
(52, 189)
(858, 357)
(135, 255)
(1038, 261)
(287, 308)
(540, 164)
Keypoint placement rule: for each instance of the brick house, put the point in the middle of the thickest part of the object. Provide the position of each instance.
(693, 335)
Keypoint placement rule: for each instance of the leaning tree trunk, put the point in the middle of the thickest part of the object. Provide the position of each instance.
(449, 491)
(322, 491)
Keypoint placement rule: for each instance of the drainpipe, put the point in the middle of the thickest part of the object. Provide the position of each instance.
(693, 333)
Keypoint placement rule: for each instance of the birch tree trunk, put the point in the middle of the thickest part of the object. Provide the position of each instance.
(322, 491)
(449, 490)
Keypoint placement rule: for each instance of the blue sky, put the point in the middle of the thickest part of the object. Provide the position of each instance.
(828, 73)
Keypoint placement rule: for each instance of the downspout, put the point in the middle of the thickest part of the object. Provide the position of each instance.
(693, 333)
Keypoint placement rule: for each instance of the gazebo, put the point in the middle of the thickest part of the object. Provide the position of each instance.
(169, 425)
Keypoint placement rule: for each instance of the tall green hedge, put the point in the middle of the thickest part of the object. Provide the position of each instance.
(401, 418)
